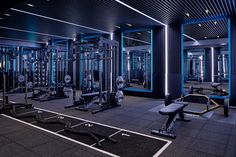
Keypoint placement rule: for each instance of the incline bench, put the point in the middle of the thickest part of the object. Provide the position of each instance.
(171, 110)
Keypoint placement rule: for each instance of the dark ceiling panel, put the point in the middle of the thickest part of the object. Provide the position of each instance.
(32, 23)
(16, 35)
(99, 14)
(9, 4)
(105, 15)
(172, 11)
(210, 30)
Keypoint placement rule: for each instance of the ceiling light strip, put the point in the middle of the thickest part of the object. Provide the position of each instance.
(128, 6)
(189, 37)
(38, 33)
(145, 42)
(61, 21)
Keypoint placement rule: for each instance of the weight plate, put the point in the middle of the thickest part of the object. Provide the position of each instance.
(21, 78)
(120, 82)
(119, 97)
(67, 79)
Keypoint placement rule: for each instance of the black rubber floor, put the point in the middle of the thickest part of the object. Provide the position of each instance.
(128, 143)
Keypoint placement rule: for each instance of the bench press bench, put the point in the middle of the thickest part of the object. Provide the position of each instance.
(171, 110)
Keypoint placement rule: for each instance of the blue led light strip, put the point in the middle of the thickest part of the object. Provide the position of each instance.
(151, 51)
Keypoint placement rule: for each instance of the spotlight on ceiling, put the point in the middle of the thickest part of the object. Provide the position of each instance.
(74, 39)
(187, 14)
(139, 33)
(215, 22)
(207, 11)
(7, 14)
(205, 37)
(200, 25)
(129, 25)
(118, 27)
(30, 5)
(218, 36)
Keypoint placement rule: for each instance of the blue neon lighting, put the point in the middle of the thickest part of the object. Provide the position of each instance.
(229, 56)
(182, 58)
(6, 63)
(52, 60)
(138, 90)
(14, 65)
(122, 54)
(151, 51)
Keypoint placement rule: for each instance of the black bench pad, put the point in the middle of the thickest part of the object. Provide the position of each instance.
(214, 85)
(173, 108)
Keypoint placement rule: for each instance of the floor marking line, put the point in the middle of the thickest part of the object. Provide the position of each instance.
(137, 133)
(104, 138)
(61, 136)
(149, 136)
(71, 127)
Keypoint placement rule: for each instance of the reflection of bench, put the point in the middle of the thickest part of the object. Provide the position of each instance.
(215, 85)
(171, 110)
(92, 95)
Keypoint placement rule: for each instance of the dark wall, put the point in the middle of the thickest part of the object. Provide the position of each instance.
(208, 65)
(159, 62)
(233, 62)
(174, 60)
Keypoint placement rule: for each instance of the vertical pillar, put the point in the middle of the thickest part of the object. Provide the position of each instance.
(208, 65)
(159, 62)
(174, 60)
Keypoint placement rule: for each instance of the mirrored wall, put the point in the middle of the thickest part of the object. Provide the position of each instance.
(206, 58)
(137, 59)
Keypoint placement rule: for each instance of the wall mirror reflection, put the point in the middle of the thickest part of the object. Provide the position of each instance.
(206, 58)
(137, 60)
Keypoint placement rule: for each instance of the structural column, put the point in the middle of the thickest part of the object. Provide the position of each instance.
(174, 60)
(208, 65)
(159, 62)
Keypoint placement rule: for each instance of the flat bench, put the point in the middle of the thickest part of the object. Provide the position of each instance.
(171, 110)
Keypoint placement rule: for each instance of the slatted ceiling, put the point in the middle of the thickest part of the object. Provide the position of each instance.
(171, 11)
(106, 14)
(102, 14)
(207, 29)
(99, 14)
(10, 3)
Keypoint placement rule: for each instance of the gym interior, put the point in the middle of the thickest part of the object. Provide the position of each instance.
(130, 78)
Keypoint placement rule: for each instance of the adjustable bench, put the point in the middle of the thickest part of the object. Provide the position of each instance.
(171, 110)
